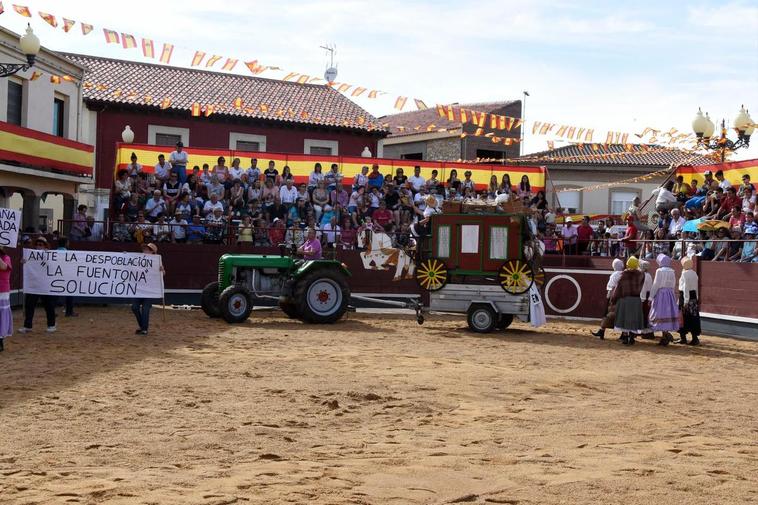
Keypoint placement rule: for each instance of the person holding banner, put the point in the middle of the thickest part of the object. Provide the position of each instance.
(31, 300)
(6, 317)
(141, 306)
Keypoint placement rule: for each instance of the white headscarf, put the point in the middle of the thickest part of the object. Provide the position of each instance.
(618, 268)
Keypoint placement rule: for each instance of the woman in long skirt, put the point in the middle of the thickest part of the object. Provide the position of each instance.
(610, 309)
(6, 317)
(689, 298)
(664, 313)
(647, 286)
(626, 296)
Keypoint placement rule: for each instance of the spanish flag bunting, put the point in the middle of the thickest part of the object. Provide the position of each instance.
(374, 93)
(561, 131)
(595, 147)
(132, 95)
(250, 110)
(88, 85)
(464, 116)
(493, 121)
(450, 113)
(431, 127)
(148, 49)
(291, 112)
(571, 131)
(35, 75)
(168, 50)
(518, 123)
(343, 87)
(580, 133)
(361, 120)
(165, 103)
(303, 79)
(230, 64)
(195, 109)
(420, 105)
(546, 127)
(400, 102)
(128, 41)
(609, 138)
(441, 110)
(254, 67)
(212, 61)
(49, 19)
(68, 78)
(148, 99)
(111, 37)
(481, 119)
(290, 76)
(117, 93)
(237, 103)
(358, 91)
(536, 127)
(489, 134)
(304, 114)
(86, 28)
(208, 110)
(101, 87)
(55, 79)
(496, 140)
(198, 58)
(479, 132)
(588, 135)
(264, 108)
(22, 10)
(68, 24)
(507, 141)
(401, 128)
(280, 112)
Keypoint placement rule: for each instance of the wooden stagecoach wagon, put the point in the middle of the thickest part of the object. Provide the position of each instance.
(478, 260)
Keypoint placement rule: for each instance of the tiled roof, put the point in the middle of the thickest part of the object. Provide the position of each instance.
(616, 155)
(311, 104)
(423, 118)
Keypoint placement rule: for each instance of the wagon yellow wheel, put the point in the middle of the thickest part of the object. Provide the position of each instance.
(539, 277)
(515, 277)
(431, 274)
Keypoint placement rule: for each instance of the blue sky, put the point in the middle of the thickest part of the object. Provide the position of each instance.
(604, 65)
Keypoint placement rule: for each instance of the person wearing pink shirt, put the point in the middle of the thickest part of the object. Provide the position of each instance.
(311, 248)
(6, 317)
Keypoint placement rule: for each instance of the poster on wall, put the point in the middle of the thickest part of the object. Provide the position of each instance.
(92, 273)
(10, 223)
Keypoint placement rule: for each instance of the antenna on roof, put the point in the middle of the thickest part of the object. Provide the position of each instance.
(331, 71)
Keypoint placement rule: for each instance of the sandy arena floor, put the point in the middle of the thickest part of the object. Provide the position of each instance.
(373, 410)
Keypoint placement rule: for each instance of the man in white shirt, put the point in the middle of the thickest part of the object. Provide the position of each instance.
(723, 183)
(664, 199)
(162, 170)
(676, 224)
(212, 205)
(417, 182)
(253, 173)
(331, 232)
(570, 236)
(179, 227)
(179, 160)
(288, 194)
(156, 205)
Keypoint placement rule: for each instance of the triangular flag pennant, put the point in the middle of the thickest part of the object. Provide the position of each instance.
(49, 19)
(536, 127)
(101, 87)
(237, 103)
(212, 61)
(441, 110)
(358, 91)
(361, 120)
(55, 79)
(168, 50)
(165, 103)
(128, 41)
(464, 116)
(198, 58)
(111, 37)
(289, 76)
(88, 85)
(400, 102)
(230, 64)
(501, 121)
(148, 99)
(254, 67)
(450, 113)
(373, 93)
(420, 105)
(304, 114)
(86, 28)
(68, 24)
(35, 75)
(148, 49)
(479, 132)
(208, 110)
(22, 10)
(303, 79)
(195, 109)
(570, 132)
(264, 108)
(68, 78)
(588, 136)
(343, 87)
(117, 93)
(493, 121)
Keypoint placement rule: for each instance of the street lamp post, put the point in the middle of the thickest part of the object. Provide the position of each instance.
(29, 45)
(704, 129)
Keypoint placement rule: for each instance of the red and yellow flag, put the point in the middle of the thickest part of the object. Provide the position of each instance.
(342, 88)
(303, 79)
(289, 76)
(254, 68)
(502, 121)
(35, 75)
(420, 105)
(128, 41)
(230, 64)
(86, 28)
(22, 10)
(212, 61)
(111, 37)
(493, 121)
(68, 24)
(441, 110)
(588, 136)
(400, 102)
(117, 93)
(198, 58)
(49, 19)
(373, 93)
(237, 103)
(68, 78)
(358, 91)
(148, 49)
(168, 50)
(148, 99)
(55, 79)
(165, 103)
(263, 107)
(464, 116)
(195, 109)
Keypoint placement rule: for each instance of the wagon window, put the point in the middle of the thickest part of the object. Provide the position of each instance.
(498, 243)
(443, 242)
(470, 238)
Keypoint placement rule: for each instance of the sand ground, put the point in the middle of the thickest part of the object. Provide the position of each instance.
(372, 410)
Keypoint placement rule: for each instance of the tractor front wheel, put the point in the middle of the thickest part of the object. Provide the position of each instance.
(209, 300)
(321, 296)
(236, 304)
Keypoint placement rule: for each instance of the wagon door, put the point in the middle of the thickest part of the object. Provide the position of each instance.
(470, 235)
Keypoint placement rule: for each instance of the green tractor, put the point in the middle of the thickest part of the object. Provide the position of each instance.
(314, 291)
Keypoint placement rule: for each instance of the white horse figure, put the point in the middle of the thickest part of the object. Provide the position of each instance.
(378, 254)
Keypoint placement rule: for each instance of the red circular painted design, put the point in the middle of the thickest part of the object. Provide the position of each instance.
(323, 296)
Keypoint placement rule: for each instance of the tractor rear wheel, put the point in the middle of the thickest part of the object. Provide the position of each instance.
(321, 296)
(236, 304)
(209, 300)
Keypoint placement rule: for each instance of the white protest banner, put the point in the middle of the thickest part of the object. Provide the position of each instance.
(10, 222)
(92, 273)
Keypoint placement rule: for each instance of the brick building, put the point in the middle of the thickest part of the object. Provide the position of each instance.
(410, 139)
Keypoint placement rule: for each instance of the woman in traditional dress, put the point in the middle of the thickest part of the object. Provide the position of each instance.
(689, 300)
(647, 286)
(664, 313)
(6, 317)
(610, 309)
(626, 296)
